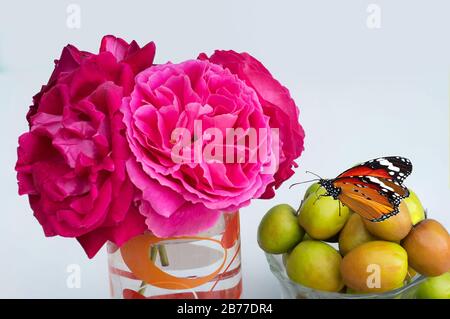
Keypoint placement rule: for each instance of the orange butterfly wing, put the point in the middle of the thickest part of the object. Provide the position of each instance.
(365, 200)
(365, 171)
(374, 189)
(394, 168)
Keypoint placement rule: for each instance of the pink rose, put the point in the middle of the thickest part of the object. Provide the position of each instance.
(277, 104)
(188, 197)
(71, 163)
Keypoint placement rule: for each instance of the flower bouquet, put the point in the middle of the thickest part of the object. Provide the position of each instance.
(156, 160)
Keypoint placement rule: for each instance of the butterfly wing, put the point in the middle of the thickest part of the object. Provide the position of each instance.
(396, 168)
(367, 202)
(374, 189)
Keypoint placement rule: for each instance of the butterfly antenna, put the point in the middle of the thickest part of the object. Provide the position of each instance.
(308, 172)
(311, 180)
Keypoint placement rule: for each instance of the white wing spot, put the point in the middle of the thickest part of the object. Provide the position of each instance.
(389, 165)
(377, 181)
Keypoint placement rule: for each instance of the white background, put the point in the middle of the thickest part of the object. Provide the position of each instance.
(362, 93)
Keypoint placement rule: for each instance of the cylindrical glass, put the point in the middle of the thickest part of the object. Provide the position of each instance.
(207, 265)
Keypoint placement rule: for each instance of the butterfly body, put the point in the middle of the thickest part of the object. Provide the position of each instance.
(331, 190)
(373, 189)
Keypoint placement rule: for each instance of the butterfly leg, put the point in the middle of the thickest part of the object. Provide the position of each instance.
(319, 196)
(339, 205)
(315, 193)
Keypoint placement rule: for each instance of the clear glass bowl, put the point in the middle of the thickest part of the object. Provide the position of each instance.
(292, 290)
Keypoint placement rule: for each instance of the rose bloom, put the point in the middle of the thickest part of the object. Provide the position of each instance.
(188, 197)
(71, 163)
(277, 104)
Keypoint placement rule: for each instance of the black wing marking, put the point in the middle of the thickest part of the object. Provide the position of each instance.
(391, 188)
(398, 167)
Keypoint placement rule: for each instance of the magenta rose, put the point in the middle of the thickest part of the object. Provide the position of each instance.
(184, 198)
(277, 104)
(71, 163)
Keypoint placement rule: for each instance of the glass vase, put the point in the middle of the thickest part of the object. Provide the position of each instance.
(204, 266)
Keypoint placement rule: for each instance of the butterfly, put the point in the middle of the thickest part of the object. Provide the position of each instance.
(373, 189)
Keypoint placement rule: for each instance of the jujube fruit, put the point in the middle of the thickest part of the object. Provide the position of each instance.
(279, 231)
(315, 264)
(428, 247)
(322, 217)
(374, 267)
(353, 234)
(395, 228)
(415, 207)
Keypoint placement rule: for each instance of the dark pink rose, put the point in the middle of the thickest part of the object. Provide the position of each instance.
(184, 198)
(276, 103)
(69, 61)
(71, 163)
